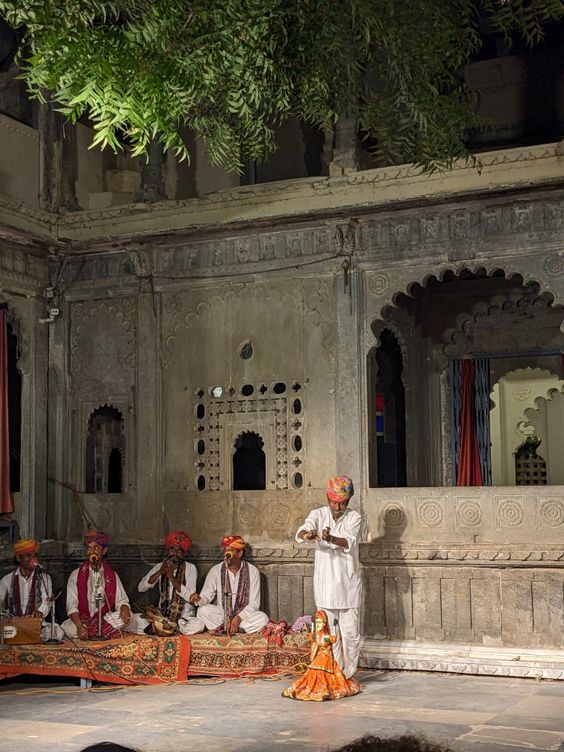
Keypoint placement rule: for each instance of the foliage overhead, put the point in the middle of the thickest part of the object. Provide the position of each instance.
(232, 70)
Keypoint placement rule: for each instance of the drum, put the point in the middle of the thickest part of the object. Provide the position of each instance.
(22, 630)
(159, 624)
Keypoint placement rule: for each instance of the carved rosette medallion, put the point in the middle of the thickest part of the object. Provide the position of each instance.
(551, 512)
(430, 513)
(379, 283)
(469, 513)
(509, 513)
(554, 265)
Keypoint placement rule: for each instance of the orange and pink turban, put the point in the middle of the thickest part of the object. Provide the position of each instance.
(233, 541)
(26, 546)
(340, 488)
(178, 539)
(96, 536)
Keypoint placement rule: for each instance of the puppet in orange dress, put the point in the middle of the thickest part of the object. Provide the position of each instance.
(323, 679)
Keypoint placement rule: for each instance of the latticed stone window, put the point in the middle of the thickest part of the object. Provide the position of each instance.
(530, 467)
(249, 437)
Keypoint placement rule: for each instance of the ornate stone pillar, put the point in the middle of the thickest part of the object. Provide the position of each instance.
(349, 421)
(152, 176)
(58, 161)
(346, 156)
(148, 415)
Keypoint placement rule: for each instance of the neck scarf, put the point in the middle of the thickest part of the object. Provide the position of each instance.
(243, 589)
(33, 599)
(108, 604)
(172, 608)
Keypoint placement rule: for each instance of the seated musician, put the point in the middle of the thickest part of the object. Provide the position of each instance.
(28, 590)
(95, 588)
(230, 598)
(177, 581)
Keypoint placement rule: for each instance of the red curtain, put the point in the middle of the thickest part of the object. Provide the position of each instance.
(469, 472)
(6, 503)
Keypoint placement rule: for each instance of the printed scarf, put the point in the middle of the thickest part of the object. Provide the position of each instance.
(33, 600)
(172, 608)
(243, 589)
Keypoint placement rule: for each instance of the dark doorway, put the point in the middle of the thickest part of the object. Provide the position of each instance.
(249, 463)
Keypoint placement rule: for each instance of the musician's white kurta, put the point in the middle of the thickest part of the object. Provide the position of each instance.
(112, 617)
(337, 584)
(210, 608)
(45, 587)
(188, 623)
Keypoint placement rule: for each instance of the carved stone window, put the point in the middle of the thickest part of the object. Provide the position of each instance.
(249, 463)
(224, 431)
(105, 452)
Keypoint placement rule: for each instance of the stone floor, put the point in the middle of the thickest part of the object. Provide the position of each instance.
(470, 713)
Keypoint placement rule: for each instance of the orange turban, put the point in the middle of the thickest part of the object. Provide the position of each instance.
(178, 539)
(26, 546)
(340, 488)
(233, 541)
(96, 536)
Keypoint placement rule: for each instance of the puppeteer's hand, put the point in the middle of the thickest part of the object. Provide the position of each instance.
(309, 535)
(194, 599)
(326, 534)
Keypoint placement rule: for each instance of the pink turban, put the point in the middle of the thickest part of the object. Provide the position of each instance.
(96, 536)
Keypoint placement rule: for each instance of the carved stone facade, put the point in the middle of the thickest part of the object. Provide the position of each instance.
(199, 326)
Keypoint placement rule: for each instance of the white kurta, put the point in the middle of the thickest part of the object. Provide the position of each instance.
(336, 578)
(188, 623)
(337, 584)
(210, 607)
(45, 589)
(112, 617)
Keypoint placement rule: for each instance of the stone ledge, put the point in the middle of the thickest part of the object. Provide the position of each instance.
(462, 659)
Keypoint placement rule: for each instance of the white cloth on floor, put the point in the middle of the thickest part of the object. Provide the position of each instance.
(337, 584)
(210, 608)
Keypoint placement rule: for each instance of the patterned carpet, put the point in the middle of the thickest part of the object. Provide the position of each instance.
(136, 659)
(127, 660)
(247, 655)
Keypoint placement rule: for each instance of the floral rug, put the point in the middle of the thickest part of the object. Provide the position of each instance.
(247, 655)
(132, 659)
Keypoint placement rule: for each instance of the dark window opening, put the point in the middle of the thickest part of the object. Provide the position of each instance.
(249, 463)
(387, 414)
(104, 452)
(114, 471)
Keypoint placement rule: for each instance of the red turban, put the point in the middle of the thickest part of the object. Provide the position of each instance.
(178, 539)
(233, 541)
(26, 546)
(96, 536)
(340, 488)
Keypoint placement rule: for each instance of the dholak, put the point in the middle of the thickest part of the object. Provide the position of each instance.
(22, 630)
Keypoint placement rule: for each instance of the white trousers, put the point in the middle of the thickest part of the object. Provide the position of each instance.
(346, 648)
(212, 616)
(191, 625)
